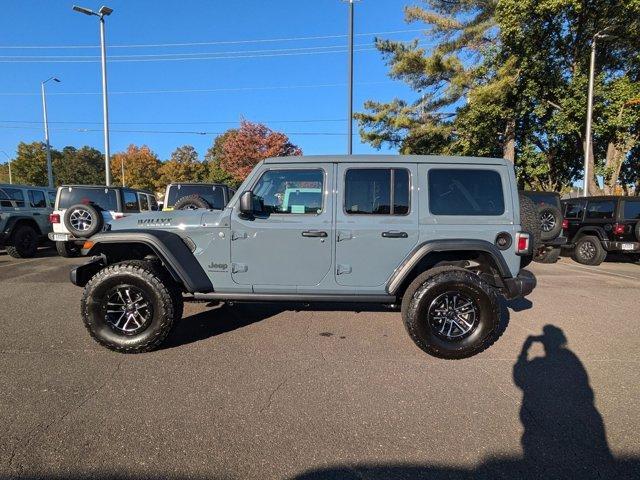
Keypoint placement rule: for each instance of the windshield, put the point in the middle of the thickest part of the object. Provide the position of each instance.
(101, 198)
(213, 194)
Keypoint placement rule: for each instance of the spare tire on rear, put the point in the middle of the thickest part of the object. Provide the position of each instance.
(82, 220)
(638, 231)
(550, 221)
(191, 202)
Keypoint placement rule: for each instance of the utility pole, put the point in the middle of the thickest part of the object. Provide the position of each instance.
(103, 12)
(350, 80)
(46, 130)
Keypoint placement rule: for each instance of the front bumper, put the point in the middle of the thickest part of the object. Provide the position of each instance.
(618, 246)
(80, 275)
(520, 286)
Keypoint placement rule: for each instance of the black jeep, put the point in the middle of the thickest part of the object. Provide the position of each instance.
(595, 226)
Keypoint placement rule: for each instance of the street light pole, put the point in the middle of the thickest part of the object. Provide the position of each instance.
(350, 80)
(46, 130)
(8, 158)
(587, 134)
(103, 12)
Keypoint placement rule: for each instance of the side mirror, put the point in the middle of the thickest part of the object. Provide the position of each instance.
(246, 203)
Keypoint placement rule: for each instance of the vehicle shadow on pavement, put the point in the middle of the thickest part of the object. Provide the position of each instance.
(564, 434)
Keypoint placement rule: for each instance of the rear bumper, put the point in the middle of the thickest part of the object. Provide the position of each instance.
(556, 242)
(618, 246)
(519, 286)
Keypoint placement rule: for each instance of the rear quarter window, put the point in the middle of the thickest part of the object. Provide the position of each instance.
(461, 191)
(631, 209)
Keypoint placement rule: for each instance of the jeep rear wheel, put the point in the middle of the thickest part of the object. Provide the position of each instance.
(589, 251)
(23, 243)
(127, 307)
(450, 312)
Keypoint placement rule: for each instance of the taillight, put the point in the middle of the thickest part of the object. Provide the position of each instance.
(522, 243)
(619, 229)
(565, 224)
(118, 216)
(54, 218)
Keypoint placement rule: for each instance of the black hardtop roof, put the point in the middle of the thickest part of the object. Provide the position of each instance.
(601, 197)
(17, 185)
(112, 187)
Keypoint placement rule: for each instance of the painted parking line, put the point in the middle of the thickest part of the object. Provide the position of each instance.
(20, 262)
(597, 271)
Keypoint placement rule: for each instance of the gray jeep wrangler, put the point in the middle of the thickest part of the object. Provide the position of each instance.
(440, 235)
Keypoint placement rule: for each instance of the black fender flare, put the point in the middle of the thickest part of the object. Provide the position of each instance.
(169, 248)
(590, 230)
(426, 248)
(14, 220)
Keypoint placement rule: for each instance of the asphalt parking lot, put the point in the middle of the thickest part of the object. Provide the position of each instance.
(264, 391)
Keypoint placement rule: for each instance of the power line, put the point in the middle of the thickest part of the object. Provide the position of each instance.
(221, 122)
(222, 42)
(200, 90)
(171, 132)
(170, 55)
(212, 56)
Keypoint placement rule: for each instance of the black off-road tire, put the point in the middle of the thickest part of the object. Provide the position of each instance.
(167, 279)
(23, 242)
(191, 202)
(637, 230)
(530, 222)
(96, 220)
(67, 249)
(144, 277)
(550, 222)
(579, 251)
(426, 288)
(548, 255)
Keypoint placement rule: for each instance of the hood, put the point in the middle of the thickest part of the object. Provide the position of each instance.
(175, 220)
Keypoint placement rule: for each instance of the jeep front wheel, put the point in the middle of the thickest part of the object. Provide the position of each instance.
(127, 307)
(450, 312)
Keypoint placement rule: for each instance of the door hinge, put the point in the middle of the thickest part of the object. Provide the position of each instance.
(235, 235)
(239, 268)
(344, 235)
(343, 269)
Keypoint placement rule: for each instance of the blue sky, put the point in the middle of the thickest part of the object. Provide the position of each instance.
(285, 83)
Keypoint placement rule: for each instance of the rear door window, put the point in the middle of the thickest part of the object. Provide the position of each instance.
(130, 202)
(104, 199)
(601, 210)
(144, 203)
(465, 192)
(37, 199)
(376, 191)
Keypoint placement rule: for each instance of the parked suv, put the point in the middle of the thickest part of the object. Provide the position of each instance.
(595, 226)
(549, 212)
(24, 213)
(191, 196)
(83, 210)
(440, 235)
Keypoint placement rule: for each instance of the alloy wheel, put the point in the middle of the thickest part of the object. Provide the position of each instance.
(453, 315)
(128, 309)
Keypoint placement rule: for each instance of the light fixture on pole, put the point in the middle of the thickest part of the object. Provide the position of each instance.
(46, 130)
(103, 12)
(8, 158)
(587, 134)
(350, 80)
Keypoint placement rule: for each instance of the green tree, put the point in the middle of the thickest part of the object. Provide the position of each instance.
(84, 166)
(183, 166)
(512, 74)
(30, 164)
(214, 172)
(141, 167)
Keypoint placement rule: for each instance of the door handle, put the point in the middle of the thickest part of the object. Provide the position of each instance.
(393, 234)
(314, 233)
